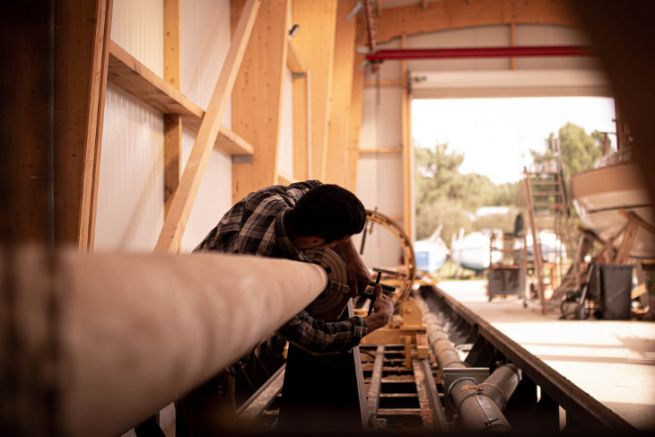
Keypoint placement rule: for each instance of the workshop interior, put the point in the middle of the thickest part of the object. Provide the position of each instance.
(502, 152)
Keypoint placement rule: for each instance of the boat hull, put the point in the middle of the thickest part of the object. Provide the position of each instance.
(600, 194)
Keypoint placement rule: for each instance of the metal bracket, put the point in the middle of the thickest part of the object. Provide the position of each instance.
(452, 374)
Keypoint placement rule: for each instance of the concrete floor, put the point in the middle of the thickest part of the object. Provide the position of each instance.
(614, 361)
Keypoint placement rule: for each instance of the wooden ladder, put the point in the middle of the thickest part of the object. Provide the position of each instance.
(548, 203)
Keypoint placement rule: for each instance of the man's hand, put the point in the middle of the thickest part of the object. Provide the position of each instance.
(383, 310)
(358, 274)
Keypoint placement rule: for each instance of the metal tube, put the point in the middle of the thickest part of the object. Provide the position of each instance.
(443, 348)
(138, 331)
(500, 385)
(477, 52)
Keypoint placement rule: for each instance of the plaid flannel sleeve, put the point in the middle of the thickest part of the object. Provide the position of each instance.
(320, 337)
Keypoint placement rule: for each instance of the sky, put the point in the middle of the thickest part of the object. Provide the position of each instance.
(496, 134)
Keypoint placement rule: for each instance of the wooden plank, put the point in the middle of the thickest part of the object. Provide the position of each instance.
(178, 214)
(283, 179)
(374, 387)
(342, 81)
(301, 139)
(356, 107)
(315, 44)
(172, 122)
(384, 83)
(380, 151)
(293, 59)
(132, 76)
(25, 170)
(259, 86)
(408, 153)
(456, 14)
(81, 37)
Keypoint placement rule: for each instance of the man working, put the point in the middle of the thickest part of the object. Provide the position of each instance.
(280, 222)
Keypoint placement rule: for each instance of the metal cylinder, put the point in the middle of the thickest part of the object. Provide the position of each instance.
(443, 348)
(134, 332)
(479, 406)
(501, 384)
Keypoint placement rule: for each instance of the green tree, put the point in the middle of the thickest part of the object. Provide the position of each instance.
(578, 149)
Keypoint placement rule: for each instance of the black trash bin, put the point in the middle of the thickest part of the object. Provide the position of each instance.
(610, 286)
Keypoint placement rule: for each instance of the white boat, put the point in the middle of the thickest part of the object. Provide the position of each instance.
(601, 193)
(472, 251)
(431, 252)
(552, 249)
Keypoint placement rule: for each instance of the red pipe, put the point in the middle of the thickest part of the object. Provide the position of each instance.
(477, 52)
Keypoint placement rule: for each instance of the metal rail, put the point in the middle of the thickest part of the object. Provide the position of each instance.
(580, 407)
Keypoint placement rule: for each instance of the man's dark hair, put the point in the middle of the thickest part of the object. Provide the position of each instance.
(327, 211)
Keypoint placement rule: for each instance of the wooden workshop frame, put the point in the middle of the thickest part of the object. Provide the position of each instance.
(327, 98)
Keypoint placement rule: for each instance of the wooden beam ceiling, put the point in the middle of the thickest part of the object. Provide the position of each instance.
(456, 14)
(180, 209)
(257, 98)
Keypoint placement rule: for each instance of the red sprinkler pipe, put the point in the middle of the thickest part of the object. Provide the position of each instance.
(477, 52)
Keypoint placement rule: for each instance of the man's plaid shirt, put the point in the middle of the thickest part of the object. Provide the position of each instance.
(255, 226)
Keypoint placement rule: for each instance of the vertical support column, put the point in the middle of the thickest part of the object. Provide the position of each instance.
(172, 122)
(315, 43)
(356, 106)
(81, 56)
(301, 139)
(342, 81)
(257, 98)
(408, 212)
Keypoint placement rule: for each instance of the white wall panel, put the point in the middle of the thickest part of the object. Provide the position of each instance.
(131, 187)
(205, 40)
(138, 27)
(285, 151)
(381, 120)
(380, 183)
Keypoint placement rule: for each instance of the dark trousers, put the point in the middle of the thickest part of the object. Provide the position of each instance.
(320, 393)
(209, 409)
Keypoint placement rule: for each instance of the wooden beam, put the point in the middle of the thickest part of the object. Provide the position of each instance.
(380, 151)
(356, 107)
(178, 214)
(25, 173)
(301, 128)
(293, 59)
(342, 81)
(259, 86)
(172, 122)
(315, 44)
(408, 153)
(390, 83)
(283, 179)
(457, 14)
(81, 57)
(132, 76)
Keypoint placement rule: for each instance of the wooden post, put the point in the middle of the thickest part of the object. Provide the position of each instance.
(536, 248)
(355, 124)
(178, 213)
(172, 122)
(81, 58)
(407, 149)
(315, 44)
(257, 99)
(342, 82)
